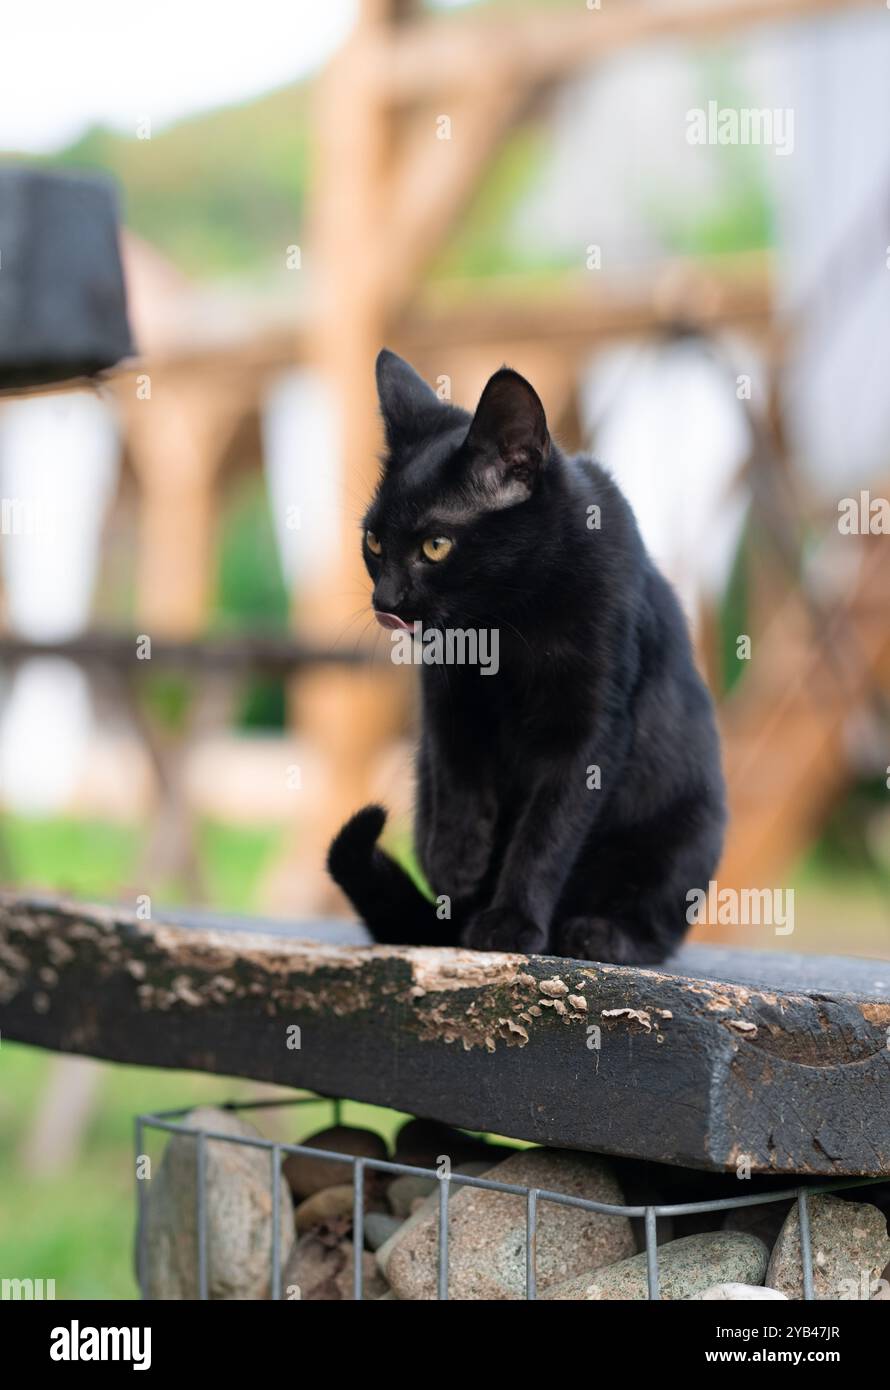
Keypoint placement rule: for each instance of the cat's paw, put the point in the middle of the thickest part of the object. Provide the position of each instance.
(504, 929)
(455, 868)
(597, 939)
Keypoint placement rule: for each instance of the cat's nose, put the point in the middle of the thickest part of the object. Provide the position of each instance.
(389, 598)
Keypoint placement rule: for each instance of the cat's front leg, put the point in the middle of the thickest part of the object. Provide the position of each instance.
(505, 929)
(457, 854)
(455, 835)
(545, 842)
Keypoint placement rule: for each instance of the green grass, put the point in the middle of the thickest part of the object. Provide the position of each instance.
(81, 857)
(234, 859)
(76, 1226)
(91, 859)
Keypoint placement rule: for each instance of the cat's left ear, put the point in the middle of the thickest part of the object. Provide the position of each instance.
(409, 407)
(508, 438)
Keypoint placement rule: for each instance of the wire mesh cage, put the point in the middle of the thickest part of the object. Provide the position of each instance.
(173, 1122)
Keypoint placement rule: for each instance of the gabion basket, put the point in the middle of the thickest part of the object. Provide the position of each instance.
(171, 1122)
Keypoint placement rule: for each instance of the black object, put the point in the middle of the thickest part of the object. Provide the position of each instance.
(63, 311)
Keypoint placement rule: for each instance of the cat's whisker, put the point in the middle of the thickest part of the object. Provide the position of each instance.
(356, 617)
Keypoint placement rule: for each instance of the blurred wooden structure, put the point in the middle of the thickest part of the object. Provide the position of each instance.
(388, 194)
(399, 84)
(787, 735)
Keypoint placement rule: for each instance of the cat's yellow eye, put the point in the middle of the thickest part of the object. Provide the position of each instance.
(373, 544)
(435, 548)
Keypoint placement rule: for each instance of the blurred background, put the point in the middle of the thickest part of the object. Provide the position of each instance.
(469, 183)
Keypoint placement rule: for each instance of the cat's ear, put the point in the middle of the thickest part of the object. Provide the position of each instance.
(407, 404)
(508, 439)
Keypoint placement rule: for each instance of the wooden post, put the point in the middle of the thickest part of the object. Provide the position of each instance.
(178, 438)
(344, 717)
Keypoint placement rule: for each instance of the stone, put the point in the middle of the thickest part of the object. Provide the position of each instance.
(693, 1223)
(307, 1174)
(763, 1221)
(379, 1227)
(238, 1189)
(478, 1167)
(740, 1293)
(423, 1143)
(322, 1270)
(311, 1268)
(686, 1268)
(330, 1204)
(407, 1193)
(404, 1190)
(487, 1231)
(850, 1249)
(385, 1250)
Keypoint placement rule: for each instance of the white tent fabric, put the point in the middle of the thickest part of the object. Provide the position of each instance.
(304, 472)
(674, 436)
(833, 221)
(622, 176)
(59, 459)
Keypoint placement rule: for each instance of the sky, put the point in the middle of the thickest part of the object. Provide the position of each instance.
(66, 66)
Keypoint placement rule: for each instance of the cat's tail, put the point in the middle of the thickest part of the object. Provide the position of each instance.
(385, 897)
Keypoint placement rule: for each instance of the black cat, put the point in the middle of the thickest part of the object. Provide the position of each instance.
(569, 802)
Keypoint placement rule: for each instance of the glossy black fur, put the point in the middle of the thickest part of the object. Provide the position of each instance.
(596, 671)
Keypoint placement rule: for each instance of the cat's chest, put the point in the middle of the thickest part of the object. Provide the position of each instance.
(514, 714)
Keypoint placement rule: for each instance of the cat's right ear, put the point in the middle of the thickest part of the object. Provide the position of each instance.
(407, 404)
(508, 440)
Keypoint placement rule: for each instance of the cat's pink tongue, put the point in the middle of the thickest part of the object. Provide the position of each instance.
(391, 621)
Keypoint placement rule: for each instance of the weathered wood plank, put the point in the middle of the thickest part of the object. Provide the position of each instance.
(718, 1057)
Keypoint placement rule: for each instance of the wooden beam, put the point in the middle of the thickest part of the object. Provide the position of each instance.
(584, 311)
(225, 656)
(713, 1059)
(428, 59)
(568, 312)
(436, 173)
